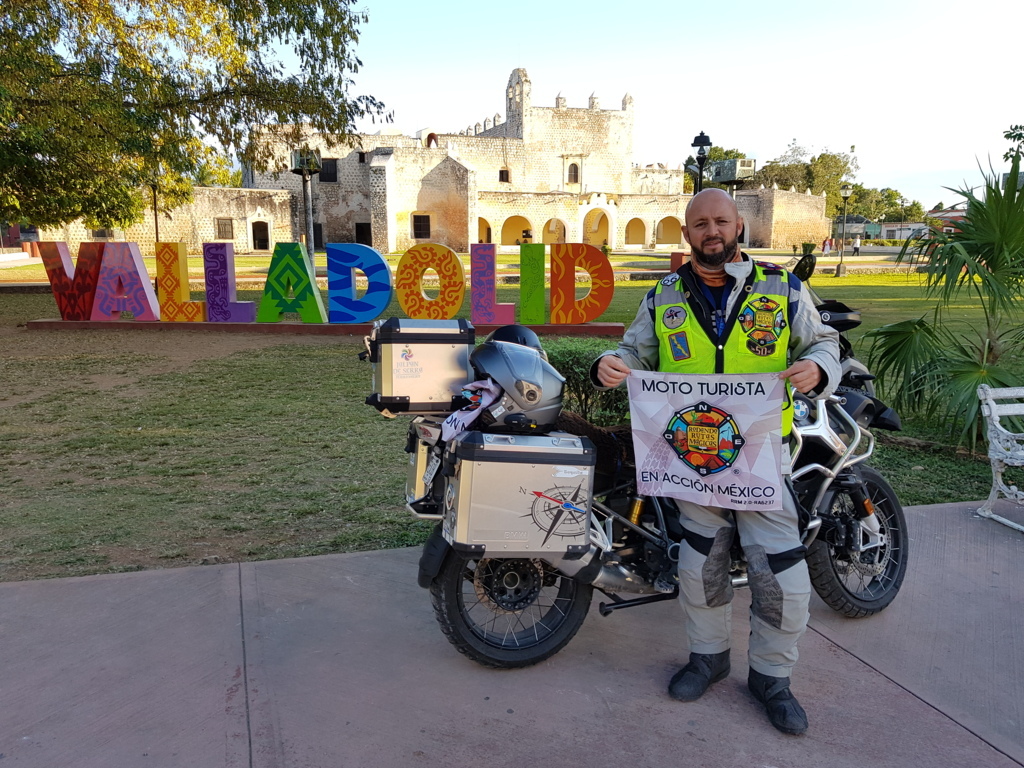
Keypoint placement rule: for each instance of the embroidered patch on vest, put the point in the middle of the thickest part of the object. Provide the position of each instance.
(763, 320)
(679, 345)
(674, 317)
(670, 279)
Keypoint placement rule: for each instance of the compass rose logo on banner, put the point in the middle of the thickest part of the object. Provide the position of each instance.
(705, 438)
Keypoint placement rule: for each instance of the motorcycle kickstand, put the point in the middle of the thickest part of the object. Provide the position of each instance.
(604, 608)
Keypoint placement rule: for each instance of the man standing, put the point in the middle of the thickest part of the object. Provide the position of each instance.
(856, 245)
(703, 300)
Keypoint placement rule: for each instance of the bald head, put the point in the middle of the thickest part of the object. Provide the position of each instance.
(713, 227)
(709, 196)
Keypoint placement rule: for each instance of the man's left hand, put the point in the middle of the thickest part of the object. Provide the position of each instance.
(804, 375)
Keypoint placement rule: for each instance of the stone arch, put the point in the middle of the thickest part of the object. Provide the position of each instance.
(483, 230)
(636, 232)
(431, 140)
(513, 228)
(669, 231)
(554, 231)
(596, 228)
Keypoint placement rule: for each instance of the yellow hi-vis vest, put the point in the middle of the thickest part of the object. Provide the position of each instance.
(756, 335)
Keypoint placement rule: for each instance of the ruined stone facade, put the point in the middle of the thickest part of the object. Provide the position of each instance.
(252, 219)
(542, 175)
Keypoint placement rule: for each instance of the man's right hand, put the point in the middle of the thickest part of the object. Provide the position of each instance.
(611, 371)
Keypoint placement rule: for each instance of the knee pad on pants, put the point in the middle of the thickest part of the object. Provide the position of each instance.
(712, 557)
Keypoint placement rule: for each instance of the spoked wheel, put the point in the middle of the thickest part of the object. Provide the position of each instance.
(843, 580)
(507, 613)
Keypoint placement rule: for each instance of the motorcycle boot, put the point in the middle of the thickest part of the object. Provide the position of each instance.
(784, 711)
(704, 669)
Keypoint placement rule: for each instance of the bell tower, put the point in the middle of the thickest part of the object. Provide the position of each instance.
(517, 103)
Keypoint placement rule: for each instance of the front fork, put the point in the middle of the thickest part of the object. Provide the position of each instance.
(860, 535)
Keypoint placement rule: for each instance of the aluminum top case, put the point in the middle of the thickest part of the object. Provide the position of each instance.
(420, 366)
(518, 495)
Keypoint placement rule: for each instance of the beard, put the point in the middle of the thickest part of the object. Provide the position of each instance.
(715, 260)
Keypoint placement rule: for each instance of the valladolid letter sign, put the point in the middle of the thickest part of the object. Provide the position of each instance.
(714, 440)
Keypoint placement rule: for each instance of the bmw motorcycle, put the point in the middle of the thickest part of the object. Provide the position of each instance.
(515, 612)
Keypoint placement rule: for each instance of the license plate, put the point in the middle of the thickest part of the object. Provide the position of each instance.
(432, 465)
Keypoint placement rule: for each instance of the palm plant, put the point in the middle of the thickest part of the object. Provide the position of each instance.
(934, 366)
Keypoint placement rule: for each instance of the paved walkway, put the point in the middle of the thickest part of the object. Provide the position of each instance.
(337, 661)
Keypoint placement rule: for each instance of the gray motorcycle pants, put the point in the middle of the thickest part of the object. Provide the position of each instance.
(779, 584)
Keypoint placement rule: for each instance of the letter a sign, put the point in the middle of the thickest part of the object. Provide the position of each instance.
(714, 440)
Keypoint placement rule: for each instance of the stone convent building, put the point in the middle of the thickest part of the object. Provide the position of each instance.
(540, 175)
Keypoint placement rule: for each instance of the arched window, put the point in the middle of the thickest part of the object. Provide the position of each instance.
(574, 173)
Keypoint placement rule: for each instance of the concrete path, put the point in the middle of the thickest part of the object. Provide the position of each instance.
(337, 661)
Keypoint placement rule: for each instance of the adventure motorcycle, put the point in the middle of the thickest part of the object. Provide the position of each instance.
(516, 611)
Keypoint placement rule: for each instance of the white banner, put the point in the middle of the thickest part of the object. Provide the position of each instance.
(714, 440)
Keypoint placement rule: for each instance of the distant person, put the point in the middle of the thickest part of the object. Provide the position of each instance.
(826, 246)
(856, 246)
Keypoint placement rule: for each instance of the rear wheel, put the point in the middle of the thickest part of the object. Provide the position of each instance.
(848, 585)
(507, 613)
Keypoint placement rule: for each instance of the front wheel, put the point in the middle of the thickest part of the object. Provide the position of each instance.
(507, 613)
(847, 585)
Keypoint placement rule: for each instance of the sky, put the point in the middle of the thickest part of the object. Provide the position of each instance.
(922, 90)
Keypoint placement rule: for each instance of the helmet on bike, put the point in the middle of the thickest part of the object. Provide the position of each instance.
(532, 396)
(517, 334)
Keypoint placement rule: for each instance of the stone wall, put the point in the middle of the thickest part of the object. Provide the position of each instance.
(196, 222)
(781, 219)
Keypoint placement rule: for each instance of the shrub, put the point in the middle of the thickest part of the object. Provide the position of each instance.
(890, 242)
(573, 358)
(808, 248)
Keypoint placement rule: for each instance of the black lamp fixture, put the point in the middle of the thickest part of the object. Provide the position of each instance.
(702, 144)
(845, 190)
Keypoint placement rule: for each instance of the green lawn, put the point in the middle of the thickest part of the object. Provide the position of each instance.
(123, 450)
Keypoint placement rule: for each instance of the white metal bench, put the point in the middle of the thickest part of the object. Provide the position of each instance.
(1005, 448)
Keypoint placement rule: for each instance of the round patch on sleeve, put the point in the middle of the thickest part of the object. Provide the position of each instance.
(673, 317)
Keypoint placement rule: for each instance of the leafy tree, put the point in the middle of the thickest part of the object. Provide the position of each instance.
(216, 171)
(100, 101)
(717, 153)
(938, 207)
(789, 169)
(1014, 133)
(935, 366)
(866, 202)
(826, 172)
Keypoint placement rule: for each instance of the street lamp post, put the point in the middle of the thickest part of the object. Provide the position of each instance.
(903, 214)
(702, 143)
(306, 163)
(845, 190)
